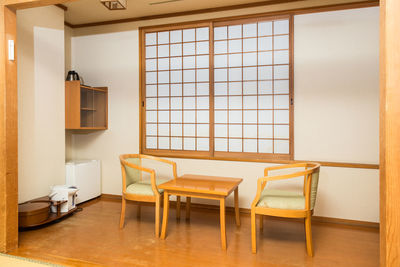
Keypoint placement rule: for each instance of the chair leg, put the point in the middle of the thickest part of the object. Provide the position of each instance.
(122, 219)
(253, 232)
(310, 249)
(188, 200)
(157, 218)
(139, 208)
(178, 207)
(261, 222)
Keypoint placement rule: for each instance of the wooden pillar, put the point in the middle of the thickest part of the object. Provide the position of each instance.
(8, 135)
(390, 133)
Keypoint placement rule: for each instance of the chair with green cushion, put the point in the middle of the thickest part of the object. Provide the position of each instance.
(135, 188)
(283, 203)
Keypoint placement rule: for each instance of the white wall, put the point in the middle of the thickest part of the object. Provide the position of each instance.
(336, 108)
(41, 134)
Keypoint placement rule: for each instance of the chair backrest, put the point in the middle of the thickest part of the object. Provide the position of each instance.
(314, 187)
(132, 175)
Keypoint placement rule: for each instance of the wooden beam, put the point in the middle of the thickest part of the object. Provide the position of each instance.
(22, 4)
(390, 133)
(65, 8)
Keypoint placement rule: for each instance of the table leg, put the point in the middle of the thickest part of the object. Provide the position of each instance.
(165, 215)
(188, 200)
(178, 207)
(237, 214)
(222, 222)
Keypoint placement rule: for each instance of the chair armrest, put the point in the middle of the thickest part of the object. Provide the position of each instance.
(284, 166)
(172, 163)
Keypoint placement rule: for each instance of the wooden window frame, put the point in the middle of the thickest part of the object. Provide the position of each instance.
(212, 154)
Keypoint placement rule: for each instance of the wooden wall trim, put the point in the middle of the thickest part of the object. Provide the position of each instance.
(62, 7)
(295, 11)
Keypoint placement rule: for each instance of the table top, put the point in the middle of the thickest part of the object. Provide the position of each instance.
(214, 185)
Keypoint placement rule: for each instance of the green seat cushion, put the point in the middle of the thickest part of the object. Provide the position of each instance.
(144, 187)
(282, 199)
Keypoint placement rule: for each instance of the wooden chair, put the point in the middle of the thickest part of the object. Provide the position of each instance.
(282, 203)
(135, 188)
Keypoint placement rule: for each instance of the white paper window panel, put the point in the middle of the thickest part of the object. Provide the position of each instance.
(281, 72)
(281, 42)
(163, 37)
(163, 90)
(176, 36)
(220, 116)
(249, 102)
(176, 129)
(202, 48)
(189, 130)
(250, 30)
(203, 103)
(151, 38)
(281, 87)
(151, 103)
(235, 60)
(235, 88)
(235, 46)
(220, 130)
(265, 102)
(220, 89)
(203, 144)
(189, 116)
(235, 145)
(250, 45)
(281, 131)
(202, 75)
(202, 89)
(176, 143)
(163, 77)
(265, 116)
(281, 57)
(176, 50)
(202, 61)
(189, 103)
(176, 63)
(151, 90)
(189, 75)
(202, 34)
(151, 116)
(189, 35)
(250, 116)
(235, 116)
(151, 129)
(281, 116)
(176, 102)
(281, 26)
(235, 31)
(163, 51)
(220, 75)
(203, 116)
(151, 64)
(250, 59)
(235, 131)
(176, 116)
(220, 33)
(220, 47)
(189, 143)
(163, 103)
(250, 145)
(220, 61)
(235, 74)
(176, 76)
(265, 43)
(250, 131)
(163, 64)
(265, 131)
(250, 73)
(151, 142)
(265, 73)
(265, 87)
(163, 116)
(221, 102)
(221, 144)
(163, 142)
(281, 101)
(151, 51)
(265, 28)
(163, 129)
(264, 146)
(176, 89)
(189, 89)
(265, 58)
(235, 102)
(203, 130)
(189, 62)
(189, 49)
(281, 146)
(151, 77)
(249, 88)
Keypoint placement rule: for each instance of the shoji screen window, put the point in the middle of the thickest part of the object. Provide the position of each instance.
(252, 88)
(176, 82)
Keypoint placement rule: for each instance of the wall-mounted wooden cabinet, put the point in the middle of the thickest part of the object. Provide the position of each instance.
(86, 108)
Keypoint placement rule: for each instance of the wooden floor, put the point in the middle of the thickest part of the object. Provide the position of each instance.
(92, 237)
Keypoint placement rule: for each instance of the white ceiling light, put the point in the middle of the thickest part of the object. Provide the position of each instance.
(114, 4)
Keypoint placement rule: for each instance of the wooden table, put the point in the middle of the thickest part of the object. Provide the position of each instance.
(201, 186)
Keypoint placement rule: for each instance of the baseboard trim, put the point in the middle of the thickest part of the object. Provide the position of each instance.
(246, 212)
